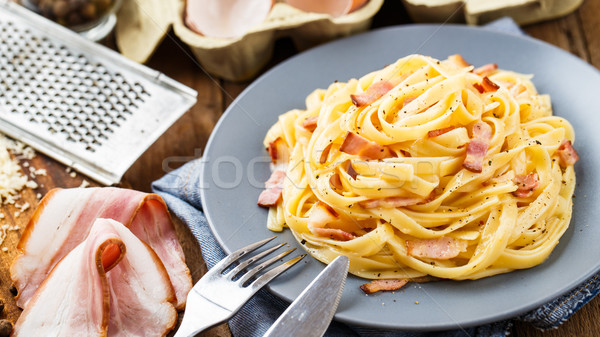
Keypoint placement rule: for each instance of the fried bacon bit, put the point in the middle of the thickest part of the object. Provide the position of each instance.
(357, 145)
(459, 60)
(443, 248)
(325, 154)
(518, 89)
(335, 182)
(526, 183)
(486, 69)
(391, 202)
(273, 188)
(438, 132)
(479, 88)
(488, 85)
(347, 166)
(567, 154)
(373, 93)
(321, 215)
(278, 151)
(478, 146)
(333, 233)
(383, 285)
(310, 123)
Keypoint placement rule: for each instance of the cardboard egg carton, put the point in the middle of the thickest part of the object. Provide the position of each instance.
(143, 24)
(477, 12)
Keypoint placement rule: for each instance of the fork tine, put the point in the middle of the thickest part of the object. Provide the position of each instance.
(229, 259)
(273, 273)
(252, 272)
(250, 260)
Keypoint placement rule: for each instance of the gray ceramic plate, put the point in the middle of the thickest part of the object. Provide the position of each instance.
(237, 165)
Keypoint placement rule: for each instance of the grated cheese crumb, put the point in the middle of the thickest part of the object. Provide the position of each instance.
(84, 184)
(4, 249)
(73, 174)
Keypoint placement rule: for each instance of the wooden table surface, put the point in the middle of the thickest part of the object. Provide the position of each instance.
(578, 33)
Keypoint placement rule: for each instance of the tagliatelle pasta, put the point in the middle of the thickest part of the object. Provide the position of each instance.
(424, 167)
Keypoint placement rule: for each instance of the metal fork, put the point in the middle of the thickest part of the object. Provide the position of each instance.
(219, 294)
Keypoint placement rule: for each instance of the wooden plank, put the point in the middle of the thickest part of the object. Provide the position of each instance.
(589, 14)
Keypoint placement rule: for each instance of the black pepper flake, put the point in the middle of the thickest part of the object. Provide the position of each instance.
(379, 189)
(13, 290)
(303, 242)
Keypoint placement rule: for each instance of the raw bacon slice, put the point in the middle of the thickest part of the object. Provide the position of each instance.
(526, 183)
(567, 154)
(273, 189)
(110, 284)
(358, 145)
(383, 285)
(374, 92)
(64, 218)
(443, 248)
(478, 146)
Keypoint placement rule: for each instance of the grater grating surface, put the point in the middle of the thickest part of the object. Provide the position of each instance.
(79, 102)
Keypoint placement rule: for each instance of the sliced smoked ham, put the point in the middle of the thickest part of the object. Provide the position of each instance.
(478, 146)
(64, 218)
(320, 216)
(310, 123)
(358, 145)
(392, 202)
(383, 285)
(374, 92)
(110, 284)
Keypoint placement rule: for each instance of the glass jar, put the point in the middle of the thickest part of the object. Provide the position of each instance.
(93, 19)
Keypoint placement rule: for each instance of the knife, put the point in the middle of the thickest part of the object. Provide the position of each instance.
(310, 314)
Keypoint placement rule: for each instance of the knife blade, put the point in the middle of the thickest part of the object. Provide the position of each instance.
(310, 314)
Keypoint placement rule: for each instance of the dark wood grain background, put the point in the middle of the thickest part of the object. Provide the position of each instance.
(578, 33)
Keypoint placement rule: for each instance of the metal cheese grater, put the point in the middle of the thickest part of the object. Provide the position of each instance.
(79, 102)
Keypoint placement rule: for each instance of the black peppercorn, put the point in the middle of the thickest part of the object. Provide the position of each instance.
(6, 328)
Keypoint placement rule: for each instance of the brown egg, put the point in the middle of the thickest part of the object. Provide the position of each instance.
(225, 18)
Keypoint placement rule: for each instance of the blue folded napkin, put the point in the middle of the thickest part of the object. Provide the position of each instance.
(181, 191)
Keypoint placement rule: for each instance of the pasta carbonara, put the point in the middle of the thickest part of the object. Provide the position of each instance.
(424, 167)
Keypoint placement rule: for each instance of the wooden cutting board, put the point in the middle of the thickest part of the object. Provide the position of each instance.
(57, 175)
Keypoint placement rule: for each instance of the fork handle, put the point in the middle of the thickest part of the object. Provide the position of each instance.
(201, 314)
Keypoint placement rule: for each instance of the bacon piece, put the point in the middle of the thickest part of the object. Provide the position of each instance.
(110, 284)
(273, 189)
(333, 233)
(488, 85)
(358, 145)
(486, 69)
(443, 248)
(438, 132)
(347, 166)
(373, 93)
(391, 202)
(310, 123)
(335, 182)
(479, 88)
(383, 285)
(63, 220)
(321, 215)
(567, 154)
(325, 154)
(278, 151)
(526, 183)
(478, 146)
(459, 60)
